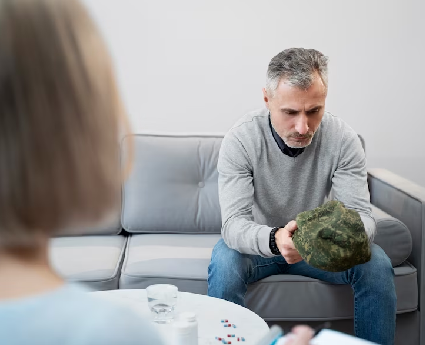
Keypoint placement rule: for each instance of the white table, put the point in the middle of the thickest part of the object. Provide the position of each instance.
(210, 311)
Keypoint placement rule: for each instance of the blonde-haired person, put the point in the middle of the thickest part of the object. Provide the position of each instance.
(60, 118)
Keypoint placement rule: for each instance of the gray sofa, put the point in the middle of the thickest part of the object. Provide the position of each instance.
(170, 221)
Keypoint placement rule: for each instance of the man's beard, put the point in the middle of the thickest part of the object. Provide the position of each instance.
(299, 145)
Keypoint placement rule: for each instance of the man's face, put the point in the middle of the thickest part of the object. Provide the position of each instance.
(296, 113)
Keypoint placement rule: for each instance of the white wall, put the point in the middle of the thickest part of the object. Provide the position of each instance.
(197, 66)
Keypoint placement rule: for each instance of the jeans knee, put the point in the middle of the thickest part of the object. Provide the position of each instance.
(380, 263)
(227, 262)
(378, 272)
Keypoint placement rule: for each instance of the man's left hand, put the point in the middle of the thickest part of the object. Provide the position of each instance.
(284, 243)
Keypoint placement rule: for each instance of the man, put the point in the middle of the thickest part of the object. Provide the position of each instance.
(283, 160)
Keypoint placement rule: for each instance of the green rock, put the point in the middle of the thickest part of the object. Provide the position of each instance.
(331, 237)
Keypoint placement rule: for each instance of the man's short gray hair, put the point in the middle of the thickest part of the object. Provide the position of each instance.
(297, 66)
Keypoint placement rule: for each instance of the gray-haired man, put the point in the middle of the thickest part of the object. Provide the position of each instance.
(283, 160)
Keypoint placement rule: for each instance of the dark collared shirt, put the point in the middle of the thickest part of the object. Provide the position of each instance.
(289, 151)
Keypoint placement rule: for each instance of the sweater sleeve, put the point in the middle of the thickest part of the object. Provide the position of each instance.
(349, 182)
(236, 195)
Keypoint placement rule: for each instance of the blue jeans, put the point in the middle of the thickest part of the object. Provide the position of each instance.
(230, 272)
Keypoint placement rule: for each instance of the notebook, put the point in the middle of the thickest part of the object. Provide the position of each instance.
(330, 337)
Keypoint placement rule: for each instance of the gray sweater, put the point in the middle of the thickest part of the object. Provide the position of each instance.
(261, 188)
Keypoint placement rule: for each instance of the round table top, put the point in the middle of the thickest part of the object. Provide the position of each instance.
(209, 310)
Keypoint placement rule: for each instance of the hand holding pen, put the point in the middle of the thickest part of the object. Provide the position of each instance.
(301, 335)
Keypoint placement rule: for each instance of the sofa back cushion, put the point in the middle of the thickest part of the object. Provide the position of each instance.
(173, 185)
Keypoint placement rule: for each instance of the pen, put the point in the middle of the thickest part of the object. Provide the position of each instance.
(322, 326)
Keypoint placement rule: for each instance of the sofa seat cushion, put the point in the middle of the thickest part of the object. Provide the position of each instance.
(291, 297)
(183, 260)
(392, 236)
(93, 260)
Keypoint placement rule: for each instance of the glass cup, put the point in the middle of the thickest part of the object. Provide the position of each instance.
(162, 299)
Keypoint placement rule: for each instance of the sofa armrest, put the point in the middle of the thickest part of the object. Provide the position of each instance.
(405, 201)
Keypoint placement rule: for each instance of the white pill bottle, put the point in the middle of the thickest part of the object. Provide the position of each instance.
(185, 329)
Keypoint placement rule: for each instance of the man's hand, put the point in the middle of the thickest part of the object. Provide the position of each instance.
(285, 244)
(300, 335)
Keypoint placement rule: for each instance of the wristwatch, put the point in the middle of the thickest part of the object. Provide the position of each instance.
(272, 242)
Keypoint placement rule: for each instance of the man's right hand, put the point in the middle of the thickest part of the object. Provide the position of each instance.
(284, 242)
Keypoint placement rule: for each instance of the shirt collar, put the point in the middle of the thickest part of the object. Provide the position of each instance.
(289, 151)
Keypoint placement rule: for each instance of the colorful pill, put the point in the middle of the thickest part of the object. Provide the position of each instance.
(238, 339)
(234, 326)
(243, 339)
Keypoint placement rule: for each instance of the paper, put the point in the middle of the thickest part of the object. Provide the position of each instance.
(330, 337)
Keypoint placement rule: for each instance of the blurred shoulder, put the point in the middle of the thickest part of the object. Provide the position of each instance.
(105, 322)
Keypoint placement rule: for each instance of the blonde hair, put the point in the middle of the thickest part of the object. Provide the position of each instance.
(60, 117)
